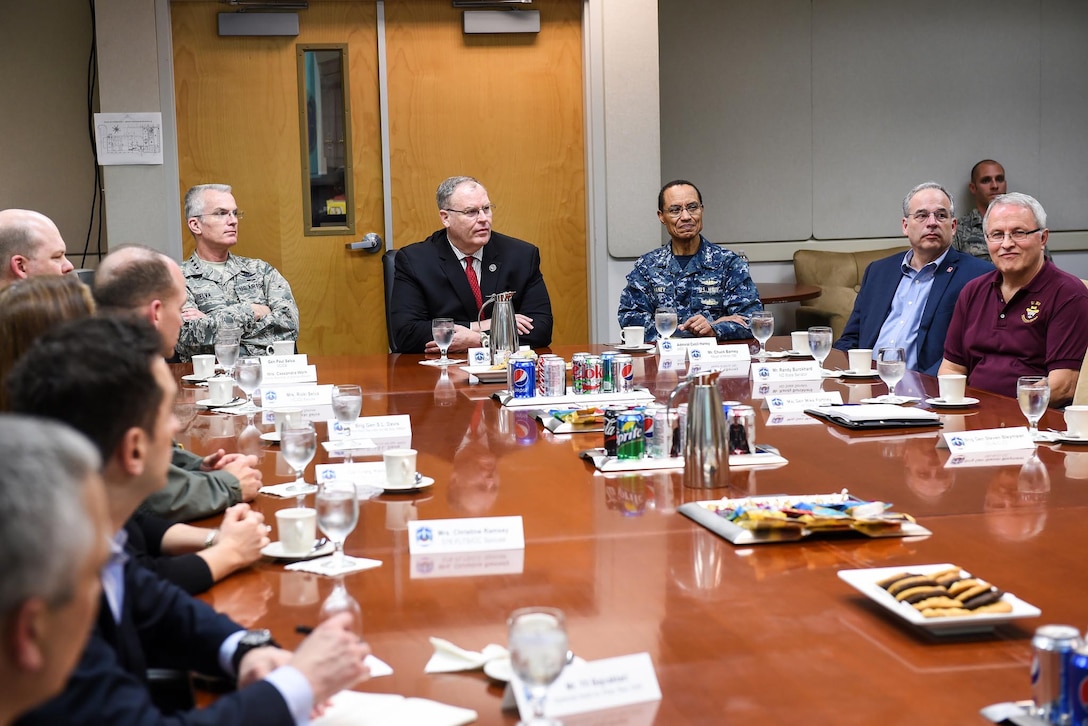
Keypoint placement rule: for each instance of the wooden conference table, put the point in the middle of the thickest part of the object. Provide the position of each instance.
(765, 634)
(783, 292)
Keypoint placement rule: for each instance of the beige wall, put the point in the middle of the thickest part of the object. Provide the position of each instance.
(47, 161)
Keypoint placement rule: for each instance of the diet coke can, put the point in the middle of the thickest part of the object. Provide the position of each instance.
(591, 382)
(552, 370)
(578, 372)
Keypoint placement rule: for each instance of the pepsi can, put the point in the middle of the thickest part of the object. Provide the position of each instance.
(623, 373)
(629, 440)
(1051, 681)
(522, 377)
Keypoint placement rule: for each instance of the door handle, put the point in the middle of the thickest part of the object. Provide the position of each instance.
(371, 242)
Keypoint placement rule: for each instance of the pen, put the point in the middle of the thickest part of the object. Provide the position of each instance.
(303, 629)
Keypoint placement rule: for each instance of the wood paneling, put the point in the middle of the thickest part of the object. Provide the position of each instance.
(237, 108)
(506, 109)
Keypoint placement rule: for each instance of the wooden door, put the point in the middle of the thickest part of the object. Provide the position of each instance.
(238, 124)
(506, 109)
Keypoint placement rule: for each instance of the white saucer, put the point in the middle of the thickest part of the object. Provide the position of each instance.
(859, 374)
(275, 549)
(423, 484)
(893, 400)
(773, 354)
(207, 403)
(271, 436)
(941, 403)
(193, 378)
(644, 348)
(1064, 438)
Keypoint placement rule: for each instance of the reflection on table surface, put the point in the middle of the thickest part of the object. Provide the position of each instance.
(731, 631)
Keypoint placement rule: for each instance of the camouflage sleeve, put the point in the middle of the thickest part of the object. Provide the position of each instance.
(282, 322)
(198, 336)
(742, 298)
(637, 302)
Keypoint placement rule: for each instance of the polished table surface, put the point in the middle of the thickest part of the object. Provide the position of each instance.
(767, 632)
(782, 292)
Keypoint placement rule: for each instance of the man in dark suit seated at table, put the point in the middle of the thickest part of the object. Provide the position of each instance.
(433, 280)
(906, 300)
(1024, 318)
(107, 377)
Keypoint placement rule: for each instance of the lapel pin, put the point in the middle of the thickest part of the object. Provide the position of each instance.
(949, 269)
(493, 267)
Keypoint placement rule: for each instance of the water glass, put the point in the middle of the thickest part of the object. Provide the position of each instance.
(337, 515)
(819, 343)
(762, 324)
(442, 329)
(298, 446)
(347, 402)
(891, 366)
(1033, 393)
(248, 375)
(538, 651)
(665, 322)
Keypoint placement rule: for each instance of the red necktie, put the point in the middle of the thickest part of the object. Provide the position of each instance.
(474, 283)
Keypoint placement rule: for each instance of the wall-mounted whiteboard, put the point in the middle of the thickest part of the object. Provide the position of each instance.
(806, 119)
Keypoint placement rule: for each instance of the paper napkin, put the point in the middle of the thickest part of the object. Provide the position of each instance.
(284, 490)
(448, 657)
(322, 565)
(352, 708)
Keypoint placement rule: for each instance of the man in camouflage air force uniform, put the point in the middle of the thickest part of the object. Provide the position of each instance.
(222, 286)
(987, 182)
(709, 286)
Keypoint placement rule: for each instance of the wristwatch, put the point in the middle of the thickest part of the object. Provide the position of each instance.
(252, 640)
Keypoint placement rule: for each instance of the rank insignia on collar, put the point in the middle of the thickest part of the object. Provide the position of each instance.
(1031, 313)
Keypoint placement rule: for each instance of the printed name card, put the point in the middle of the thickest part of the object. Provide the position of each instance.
(366, 474)
(283, 362)
(973, 442)
(474, 534)
(798, 371)
(296, 396)
(338, 432)
(479, 356)
(801, 401)
(466, 564)
(384, 427)
(273, 376)
(595, 686)
(718, 353)
(667, 346)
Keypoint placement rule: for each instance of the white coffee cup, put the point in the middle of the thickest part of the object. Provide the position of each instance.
(633, 335)
(400, 468)
(281, 347)
(204, 366)
(297, 528)
(800, 342)
(861, 359)
(951, 387)
(1076, 421)
(289, 417)
(221, 389)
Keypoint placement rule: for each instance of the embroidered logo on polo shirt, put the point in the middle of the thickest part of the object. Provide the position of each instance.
(1031, 313)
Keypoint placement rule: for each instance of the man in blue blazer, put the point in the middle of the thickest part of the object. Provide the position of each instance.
(107, 378)
(432, 280)
(906, 301)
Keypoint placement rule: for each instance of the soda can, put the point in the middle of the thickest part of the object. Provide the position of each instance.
(1051, 682)
(539, 383)
(591, 382)
(606, 371)
(655, 431)
(578, 372)
(1078, 684)
(611, 425)
(522, 374)
(742, 429)
(553, 370)
(524, 427)
(623, 373)
(629, 441)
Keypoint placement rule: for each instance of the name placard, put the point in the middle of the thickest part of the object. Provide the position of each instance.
(361, 473)
(1016, 457)
(274, 376)
(296, 396)
(764, 389)
(800, 401)
(479, 356)
(384, 427)
(799, 371)
(364, 446)
(466, 564)
(595, 686)
(474, 534)
(973, 442)
(665, 346)
(718, 353)
(283, 362)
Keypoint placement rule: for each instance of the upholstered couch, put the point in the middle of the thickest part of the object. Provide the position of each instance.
(838, 274)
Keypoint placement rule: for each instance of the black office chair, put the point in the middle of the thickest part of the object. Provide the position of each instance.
(388, 272)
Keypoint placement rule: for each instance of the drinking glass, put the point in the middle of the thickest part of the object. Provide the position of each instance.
(347, 402)
(337, 515)
(762, 324)
(442, 330)
(891, 366)
(227, 343)
(538, 652)
(247, 374)
(665, 321)
(341, 601)
(1033, 393)
(819, 342)
(298, 446)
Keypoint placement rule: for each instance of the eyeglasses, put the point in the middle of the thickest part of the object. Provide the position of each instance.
(1017, 235)
(487, 210)
(941, 215)
(676, 210)
(223, 214)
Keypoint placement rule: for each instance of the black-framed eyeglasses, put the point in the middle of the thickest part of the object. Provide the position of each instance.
(1017, 235)
(922, 215)
(223, 214)
(474, 212)
(676, 210)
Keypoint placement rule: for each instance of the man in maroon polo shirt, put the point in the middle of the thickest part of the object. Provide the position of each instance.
(1026, 317)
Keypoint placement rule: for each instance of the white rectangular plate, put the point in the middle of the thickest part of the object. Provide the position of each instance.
(486, 374)
(864, 581)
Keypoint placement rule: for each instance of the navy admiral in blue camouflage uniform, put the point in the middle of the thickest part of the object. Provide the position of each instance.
(709, 286)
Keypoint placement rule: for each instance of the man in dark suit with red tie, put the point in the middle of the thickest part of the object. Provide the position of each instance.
(453, 272)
